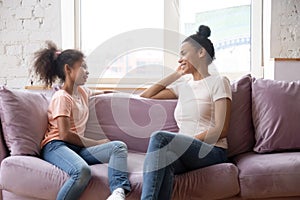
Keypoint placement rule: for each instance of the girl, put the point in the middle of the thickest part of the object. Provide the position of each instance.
(64, 144)
(202, 115)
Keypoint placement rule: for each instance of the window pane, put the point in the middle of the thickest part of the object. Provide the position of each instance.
(230, 23)
(105, 22)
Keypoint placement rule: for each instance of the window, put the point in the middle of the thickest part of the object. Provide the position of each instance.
(113, 34)
(125, 41)
(230, 23)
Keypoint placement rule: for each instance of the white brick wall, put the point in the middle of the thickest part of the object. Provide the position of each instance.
(24, 27)
(285, 29)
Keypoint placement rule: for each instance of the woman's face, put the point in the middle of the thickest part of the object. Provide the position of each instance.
(189, 57)
(79, 73)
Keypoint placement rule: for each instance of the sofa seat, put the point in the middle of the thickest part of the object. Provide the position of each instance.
(214, 182)
(25, 175)
(269, 175)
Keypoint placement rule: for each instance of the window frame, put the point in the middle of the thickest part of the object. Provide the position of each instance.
(71, 38)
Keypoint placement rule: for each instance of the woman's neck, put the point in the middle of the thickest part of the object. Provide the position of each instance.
(200, 73)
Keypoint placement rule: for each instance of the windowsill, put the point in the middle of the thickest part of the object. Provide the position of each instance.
(105, 87)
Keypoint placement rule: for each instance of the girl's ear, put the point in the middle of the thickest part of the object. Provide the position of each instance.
(67, 69)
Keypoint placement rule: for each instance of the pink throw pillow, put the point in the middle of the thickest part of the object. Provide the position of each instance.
(24, 120)
(276, 115)
(241, 132)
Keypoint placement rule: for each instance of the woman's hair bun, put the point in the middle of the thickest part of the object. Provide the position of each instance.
(204, 31)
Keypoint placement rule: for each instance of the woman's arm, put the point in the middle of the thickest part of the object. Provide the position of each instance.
(222, 118)
(66, 135)
(159, 90)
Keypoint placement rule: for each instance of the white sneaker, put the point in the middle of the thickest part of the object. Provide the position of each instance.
(117, 194)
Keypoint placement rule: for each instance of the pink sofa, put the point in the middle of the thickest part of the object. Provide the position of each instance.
(264, 144)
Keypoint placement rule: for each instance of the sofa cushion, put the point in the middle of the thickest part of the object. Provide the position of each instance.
(276, 115)
(214, 182)
(3, 149)
(133, 119)
(40, 179)
(241, 133)
(46, 180)
(24, 120)
(269, 175)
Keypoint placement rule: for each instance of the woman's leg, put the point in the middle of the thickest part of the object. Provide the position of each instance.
(158, 173)
(60, 155)
(170, 154)
(115, 154)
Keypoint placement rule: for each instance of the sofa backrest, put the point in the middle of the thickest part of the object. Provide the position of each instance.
(130, 118)
(241, 130)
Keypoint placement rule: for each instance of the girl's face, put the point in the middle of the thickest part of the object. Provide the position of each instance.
(79, 73)
(189, 57)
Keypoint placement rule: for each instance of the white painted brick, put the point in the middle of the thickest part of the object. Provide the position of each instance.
(31, 48)
(8, 13)
(2, 50)
(46, 3)
(2, 24)
(13, 25)
(24, 12)
(11, 3)
(14, 50)
(39, 11)
(14, 36)
(29, 2)
(7, 63)
(39, 36)
(17, 82)
(31, 24)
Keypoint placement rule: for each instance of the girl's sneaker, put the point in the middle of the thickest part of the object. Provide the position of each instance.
(117, 194)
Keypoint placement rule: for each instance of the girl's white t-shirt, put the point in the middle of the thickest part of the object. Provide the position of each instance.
(194, 112)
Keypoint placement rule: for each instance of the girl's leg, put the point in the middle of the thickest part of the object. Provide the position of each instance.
(60, 155)
(115, 154)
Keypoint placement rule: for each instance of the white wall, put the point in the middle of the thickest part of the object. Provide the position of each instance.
(24, 27)
(281, 37)
(285, 29)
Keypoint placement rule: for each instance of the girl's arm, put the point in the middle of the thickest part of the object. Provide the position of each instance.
(159, 90)
(222, 118)
(66, 135)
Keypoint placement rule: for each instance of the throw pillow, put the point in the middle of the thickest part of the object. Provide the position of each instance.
(241, 133)
(24, 120)
(276, 115)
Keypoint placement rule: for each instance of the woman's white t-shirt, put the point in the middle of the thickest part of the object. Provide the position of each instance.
(194, 112)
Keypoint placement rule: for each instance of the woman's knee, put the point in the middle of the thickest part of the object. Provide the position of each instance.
(161, 135)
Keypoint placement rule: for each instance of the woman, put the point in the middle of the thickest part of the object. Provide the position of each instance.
(64, 144)
(202, 115)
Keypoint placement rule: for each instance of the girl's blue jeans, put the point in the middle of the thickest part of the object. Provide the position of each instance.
(169, 154)
(75, 162)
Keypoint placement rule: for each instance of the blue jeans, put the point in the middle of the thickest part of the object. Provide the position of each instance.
(169, 154)
(75, 162)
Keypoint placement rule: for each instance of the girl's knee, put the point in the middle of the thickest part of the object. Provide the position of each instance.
(82, 173)
(119, 146)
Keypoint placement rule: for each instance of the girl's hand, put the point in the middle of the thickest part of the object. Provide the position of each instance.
(103, 141)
